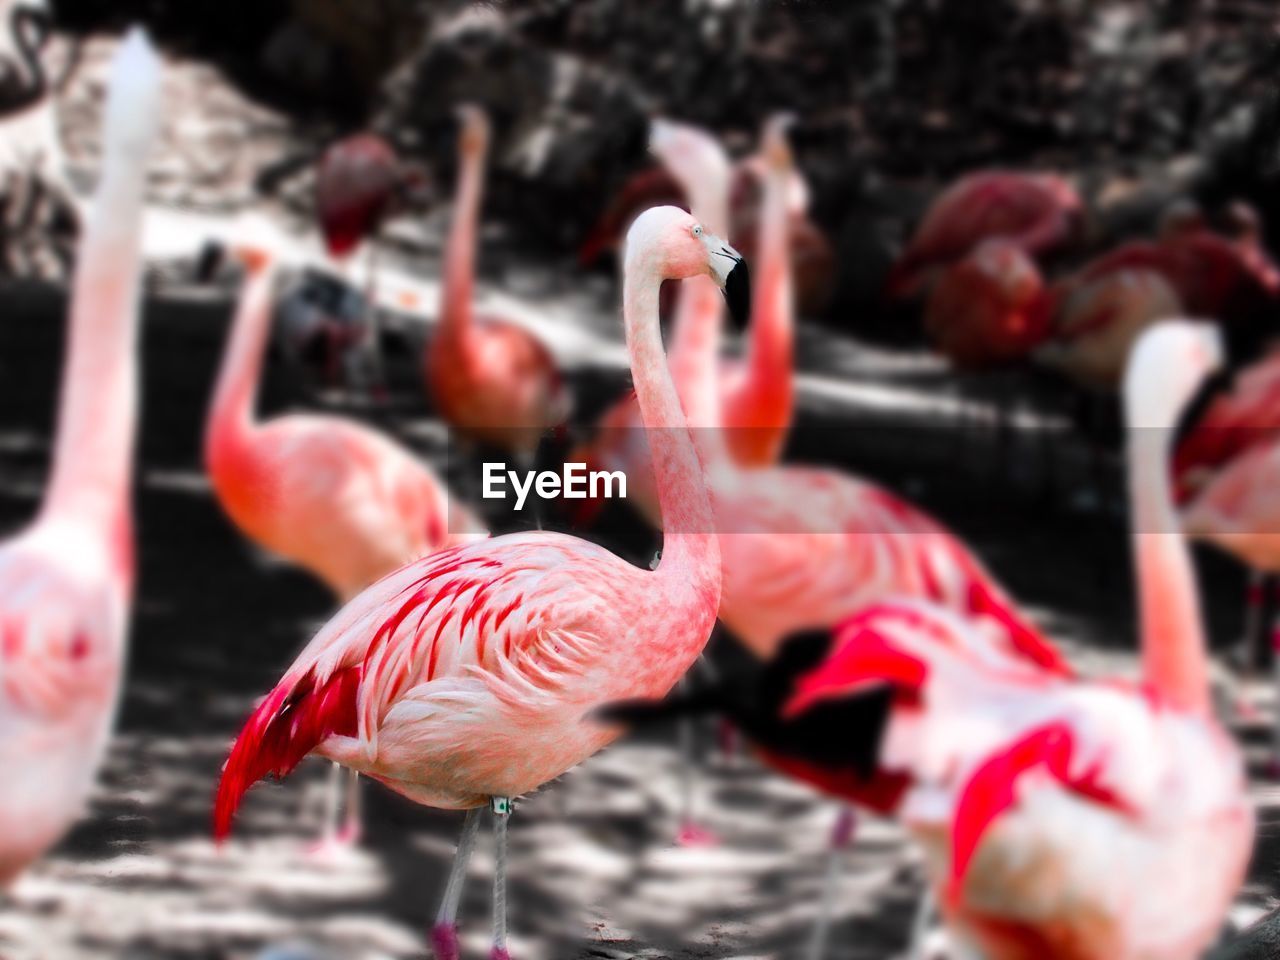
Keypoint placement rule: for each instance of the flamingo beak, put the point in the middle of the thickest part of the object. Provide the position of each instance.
(729, 269)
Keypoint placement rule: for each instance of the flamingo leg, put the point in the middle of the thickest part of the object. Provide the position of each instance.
(920, 925)
(501, 807)
(690, 834)
(842, 834)
(352, 825)
(444, 935)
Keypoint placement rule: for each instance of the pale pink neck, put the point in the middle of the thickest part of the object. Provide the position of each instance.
(231, 414)
(770, 344)
(699, 318)
(460, 250)
(690, 548)
(98, 408)
(1174, 658)
(696, 368)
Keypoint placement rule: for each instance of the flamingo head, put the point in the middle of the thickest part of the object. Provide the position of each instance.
(676, 246)
(1167, 365)
(473, 135)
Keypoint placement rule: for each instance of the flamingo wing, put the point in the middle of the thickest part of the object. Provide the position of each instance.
(516, 619)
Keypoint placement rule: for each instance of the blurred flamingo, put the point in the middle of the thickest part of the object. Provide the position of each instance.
(335, 497)
(491, 380)
(1093, 821)
(756, 395)
(811, 254)
(360, 181)
(465, 678)
(1188, 270)
(66, 581)
(1037, 212)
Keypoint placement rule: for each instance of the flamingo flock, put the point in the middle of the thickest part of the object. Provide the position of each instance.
(1056, 814)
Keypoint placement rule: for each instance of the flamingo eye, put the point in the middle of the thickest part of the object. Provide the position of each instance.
(697, 229)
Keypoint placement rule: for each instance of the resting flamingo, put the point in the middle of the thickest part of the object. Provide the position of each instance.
(756, 395)
(464, 679)
(1101, 820)
(333, 496)
(491, 380)
(1039, 212)
(66, 581)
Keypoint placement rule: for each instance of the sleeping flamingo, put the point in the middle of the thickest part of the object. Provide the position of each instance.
(1038, 212)
(66, 581)
(1099, 820)
(1187, 271)
(465, 678)
(491, 380)
(756, 395)
(335, 497)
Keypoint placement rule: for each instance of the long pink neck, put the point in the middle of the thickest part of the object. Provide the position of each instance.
(691, 552)
(1174, 659)
(460, 250)
(770, 345)
(98, 407)
(699, 318)
(231, 414)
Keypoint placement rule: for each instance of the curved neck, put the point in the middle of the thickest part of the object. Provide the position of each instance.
(689, 544)
(770, 346)
(460, 250)
(235, 396)
(1174, 660)
(21, 22)
(98, 405)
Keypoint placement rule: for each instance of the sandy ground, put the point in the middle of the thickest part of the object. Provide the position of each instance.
(594, 871)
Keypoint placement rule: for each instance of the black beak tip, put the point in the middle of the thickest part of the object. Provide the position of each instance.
(737, 293)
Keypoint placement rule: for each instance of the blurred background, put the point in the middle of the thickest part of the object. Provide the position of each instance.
(1146, 110)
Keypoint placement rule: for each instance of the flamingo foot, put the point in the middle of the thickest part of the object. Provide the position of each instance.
(694, 835)
(444, 942)
(499, 953)
(334, 846)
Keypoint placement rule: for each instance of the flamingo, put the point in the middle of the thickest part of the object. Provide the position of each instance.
(1039, 212)
(810, 251)
(465, 678)
(1100, 820)
(1224, 464)
(1188, 270)
(756, 395)
(491, 380)
(360, 181)
(66, 581)
(337, 498)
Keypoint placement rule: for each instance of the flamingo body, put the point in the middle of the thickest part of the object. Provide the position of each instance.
(1059, 818)
(460, 655)
(989, 307)
(1037, 212)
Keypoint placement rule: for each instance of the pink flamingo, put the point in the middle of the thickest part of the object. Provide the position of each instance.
(491, 380)
(1038, 212)
(335, 497)
(465, 678)
(756, 395)
(1082, 821)
(66, 581)
(1226, 465)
